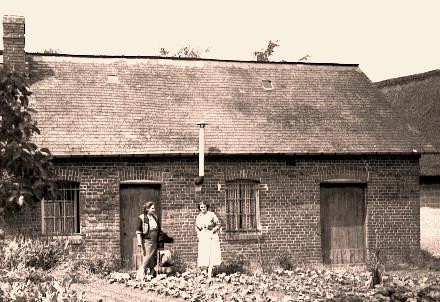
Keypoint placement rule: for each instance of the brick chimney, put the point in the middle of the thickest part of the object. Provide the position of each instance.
(13, 43)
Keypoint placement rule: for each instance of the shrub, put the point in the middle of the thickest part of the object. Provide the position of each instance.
(100, 264)
(423, 260)
(179, 266)
(239, 265)
(285, 262)
(22, 290)
(412, 258)
(230, 268)
(37, 253)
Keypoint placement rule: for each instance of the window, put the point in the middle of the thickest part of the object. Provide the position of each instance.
(242, 206)
(267, 84)
(60, 215)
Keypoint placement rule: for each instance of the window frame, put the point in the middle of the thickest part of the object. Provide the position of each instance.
(234, 185)
(62, 188)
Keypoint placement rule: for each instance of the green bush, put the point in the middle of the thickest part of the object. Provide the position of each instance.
(423, 259)
(37, 253)
(239, 265)
(285, 262)
(17, 289)
(412, 258)
(100, 264)
(24, 271)
(178, 265)
(229, 268)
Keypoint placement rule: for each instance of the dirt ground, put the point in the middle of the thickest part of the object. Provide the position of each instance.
(301, 285)
(101, 290)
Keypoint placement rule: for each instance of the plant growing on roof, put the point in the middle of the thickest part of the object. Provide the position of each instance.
(184, 52)
(264, 54)
(24, 167)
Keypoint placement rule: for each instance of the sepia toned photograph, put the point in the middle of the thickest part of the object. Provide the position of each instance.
(219, 151)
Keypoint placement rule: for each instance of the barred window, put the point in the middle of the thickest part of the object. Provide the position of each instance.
(242, 206)
(60, 214)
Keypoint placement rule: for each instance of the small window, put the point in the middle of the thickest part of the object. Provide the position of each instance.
(242, 206)
(267, 84)
(60, 214)
(112, 79)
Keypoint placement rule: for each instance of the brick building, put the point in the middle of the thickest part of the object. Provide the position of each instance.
(300, 158)
(417, 99)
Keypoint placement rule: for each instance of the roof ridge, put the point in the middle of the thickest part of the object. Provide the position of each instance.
(188, 59)
(408, 78)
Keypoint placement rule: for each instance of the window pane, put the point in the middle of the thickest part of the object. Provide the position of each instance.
(69, 208)
(48, 209)
(229, 212)
(69, 228)
(241, 206)
(57, 209)
(59, 214)
(49, 225)
(58, 225)
(237, 206)
(68, 195)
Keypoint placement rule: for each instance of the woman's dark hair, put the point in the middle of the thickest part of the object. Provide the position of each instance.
(148, 205)
(202, 202)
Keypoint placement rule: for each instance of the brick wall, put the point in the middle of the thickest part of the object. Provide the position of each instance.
(430, 192)
(14, 42)
(289, 192)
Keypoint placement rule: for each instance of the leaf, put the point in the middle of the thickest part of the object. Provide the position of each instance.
(45, 151)
(24, 101)
(27, 151)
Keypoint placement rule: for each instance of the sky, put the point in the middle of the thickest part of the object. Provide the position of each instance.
(386, 38)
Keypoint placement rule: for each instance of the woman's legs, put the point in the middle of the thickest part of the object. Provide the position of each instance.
(150, 253)
(150, 261)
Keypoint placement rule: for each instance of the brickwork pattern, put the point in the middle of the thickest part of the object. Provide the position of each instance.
(14, 43)
(430, 195)
(289, 193)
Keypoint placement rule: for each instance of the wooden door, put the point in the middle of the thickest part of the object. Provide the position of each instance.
(343, 223)
(132, 199)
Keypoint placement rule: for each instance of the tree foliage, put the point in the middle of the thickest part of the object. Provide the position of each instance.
(264, 54)
(25, 169)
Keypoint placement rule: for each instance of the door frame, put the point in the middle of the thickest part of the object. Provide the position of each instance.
(138, 183)
(347, 181)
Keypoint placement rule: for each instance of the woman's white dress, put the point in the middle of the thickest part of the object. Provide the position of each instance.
(209, 253)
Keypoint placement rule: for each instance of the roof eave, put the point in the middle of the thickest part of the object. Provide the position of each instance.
(185, 154)
(188, 59)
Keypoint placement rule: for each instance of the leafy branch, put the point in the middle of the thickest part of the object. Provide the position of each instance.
(25, 168)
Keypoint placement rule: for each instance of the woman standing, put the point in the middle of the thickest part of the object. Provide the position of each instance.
(147, 237)
(207, 228)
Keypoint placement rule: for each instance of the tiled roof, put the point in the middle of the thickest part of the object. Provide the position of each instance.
(408, 79)
(117, 106)
(430, 165)
(417, 99)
